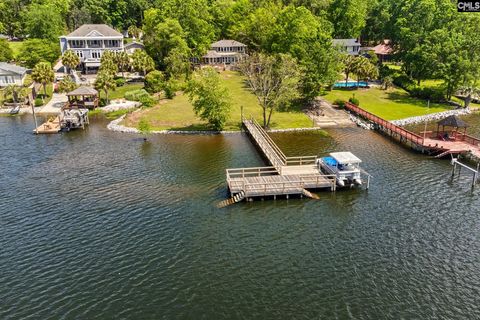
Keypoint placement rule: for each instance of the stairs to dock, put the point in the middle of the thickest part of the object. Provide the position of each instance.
(310, 195)
(235, 199)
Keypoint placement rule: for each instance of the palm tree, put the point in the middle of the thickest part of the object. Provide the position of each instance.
(349, 63)
(70, 60)
(11, 90)
(123, 61)
(361, 68)
(105, 81)
(142, 62)
(468, 92)
(43, 73)
(108, 63)
(387, 82)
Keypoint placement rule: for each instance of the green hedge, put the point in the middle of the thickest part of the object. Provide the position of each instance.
(142, 96)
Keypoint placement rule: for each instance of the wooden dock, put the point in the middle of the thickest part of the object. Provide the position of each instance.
(431, 142)
(286, 175)
(51, 126)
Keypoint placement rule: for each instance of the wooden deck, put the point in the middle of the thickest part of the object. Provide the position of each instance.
(286, 175)
(49, 127)
(431, 143)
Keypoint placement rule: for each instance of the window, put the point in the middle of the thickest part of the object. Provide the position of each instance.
(79, 54)
(96, 54)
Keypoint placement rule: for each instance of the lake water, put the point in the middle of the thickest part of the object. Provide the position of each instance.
(97, 224)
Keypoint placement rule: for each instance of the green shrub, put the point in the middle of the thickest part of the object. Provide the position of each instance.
(405, 82)
(340, 103)
(147, 101)
(134, 95)
(38, 102)
(354, 100)
(120, 82)
(154, 81)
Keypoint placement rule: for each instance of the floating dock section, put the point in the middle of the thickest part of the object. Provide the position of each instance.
(286, 176)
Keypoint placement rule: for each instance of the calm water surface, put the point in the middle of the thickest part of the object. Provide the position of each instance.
(96, 224)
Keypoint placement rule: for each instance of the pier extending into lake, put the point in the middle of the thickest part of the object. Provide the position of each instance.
(431, 142)
(286, 176)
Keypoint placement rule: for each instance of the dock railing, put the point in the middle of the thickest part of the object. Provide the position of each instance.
(413, 137)
(276, 157)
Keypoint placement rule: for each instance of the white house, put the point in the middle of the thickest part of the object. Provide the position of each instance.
(225, 52)
(11, 74)
(350, 46)
(89, 42)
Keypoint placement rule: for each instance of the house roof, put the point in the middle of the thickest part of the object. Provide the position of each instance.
(383, 48)
(95, 30)
(12, 68)
(453, 121)
(346, 42)
(83, 91)
(227, 43)
(345, 157)
(134, 44)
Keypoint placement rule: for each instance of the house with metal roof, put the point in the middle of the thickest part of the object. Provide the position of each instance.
(11, 74)
(225, 52)
(89, 42)
(133, 46)
(350, 46)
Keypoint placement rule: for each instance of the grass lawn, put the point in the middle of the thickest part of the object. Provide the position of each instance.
(16, 46)
(177, 114)
(119, 92)
(389, 104)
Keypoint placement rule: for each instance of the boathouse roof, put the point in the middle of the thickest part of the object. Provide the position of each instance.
(345, 157)
(453, 121)
(83, 91)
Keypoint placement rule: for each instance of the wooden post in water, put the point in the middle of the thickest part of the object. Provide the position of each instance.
(34, 115)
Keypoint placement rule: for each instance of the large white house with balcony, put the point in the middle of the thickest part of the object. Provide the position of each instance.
(89, 42)
(225, 52)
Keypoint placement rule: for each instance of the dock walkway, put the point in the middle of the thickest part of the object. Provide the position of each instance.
(430, 143)
(286, 175)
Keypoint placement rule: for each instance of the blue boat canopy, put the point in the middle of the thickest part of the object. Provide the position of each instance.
(330, 161)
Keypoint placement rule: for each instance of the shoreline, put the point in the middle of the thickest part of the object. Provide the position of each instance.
(115, 126)
(431, 117)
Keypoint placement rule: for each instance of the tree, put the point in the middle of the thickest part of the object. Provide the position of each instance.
(165, 42)
(209, 98)
(348, 17)
(123, 61)
(43, 73)
(468, 92)
(15, 92)
(349, 66)
(274, 80)
(43, 21)
(364, 69)
(67, 85)
(34, 51)
(134, 31)
(108, 63)
(70, 60)
(154, 81)
(387, 82)
(6, 53)
(105, 81)
(142, 62)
